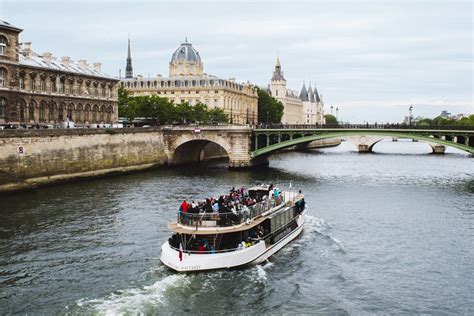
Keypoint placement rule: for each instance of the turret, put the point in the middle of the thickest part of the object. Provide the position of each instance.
(278, 82)
(304, 93)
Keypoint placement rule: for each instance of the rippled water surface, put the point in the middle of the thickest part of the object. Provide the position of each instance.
(391, 232)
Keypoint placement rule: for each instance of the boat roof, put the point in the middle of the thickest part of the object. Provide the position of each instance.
(215, 230)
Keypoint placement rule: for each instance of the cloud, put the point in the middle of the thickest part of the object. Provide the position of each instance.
(372, 57)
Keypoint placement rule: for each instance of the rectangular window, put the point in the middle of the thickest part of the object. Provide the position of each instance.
(32, 85)
(53, 86)
(43, 85)
(61, 87)
(22, 83)
(78, 89)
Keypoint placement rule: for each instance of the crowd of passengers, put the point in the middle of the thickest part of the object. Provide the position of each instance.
(232, 207)
(205, 244)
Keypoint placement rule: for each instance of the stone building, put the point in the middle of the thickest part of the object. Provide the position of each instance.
(41, 89)
(187, 82)
(306, 107)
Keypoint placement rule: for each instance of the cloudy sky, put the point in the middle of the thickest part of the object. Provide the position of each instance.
(372, 59)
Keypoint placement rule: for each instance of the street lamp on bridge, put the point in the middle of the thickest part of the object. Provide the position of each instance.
(410, 114)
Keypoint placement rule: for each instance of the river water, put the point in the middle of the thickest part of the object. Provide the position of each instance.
(391, 232)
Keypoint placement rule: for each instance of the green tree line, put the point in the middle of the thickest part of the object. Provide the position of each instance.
(441, 121)
(163, 111)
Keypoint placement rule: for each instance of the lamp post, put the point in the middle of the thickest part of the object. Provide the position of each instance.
(248, 116)
(410, 111)
(337, 112)
(331, 109)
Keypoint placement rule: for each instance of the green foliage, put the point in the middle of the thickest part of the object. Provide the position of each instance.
(163, 111)
(441, 121)
(270, 110)
(330, 119)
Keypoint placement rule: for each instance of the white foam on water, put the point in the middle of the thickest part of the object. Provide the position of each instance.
(261, 273)
(133, 301)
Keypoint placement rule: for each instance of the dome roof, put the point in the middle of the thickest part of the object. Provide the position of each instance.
(186, 52)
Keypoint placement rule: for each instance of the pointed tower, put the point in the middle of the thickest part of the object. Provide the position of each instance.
(128, 68)
(310, 93)
(316, 94)
(304, 93)
(278, 82)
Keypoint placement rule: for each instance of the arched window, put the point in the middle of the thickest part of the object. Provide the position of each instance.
(79, 113)
(31, 111)
(42, 110)
(95, 110)
(109, 114)
(87, 114)
(3, 77)
(70, 107)
(60, 112)
(3, 45)
(22, 111)
(51, 111)
(102, 113)
(3, 107)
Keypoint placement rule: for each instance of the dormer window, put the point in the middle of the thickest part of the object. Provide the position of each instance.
(3, 46)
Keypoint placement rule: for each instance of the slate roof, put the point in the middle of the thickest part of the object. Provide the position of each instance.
(36, 60)
(304, 93)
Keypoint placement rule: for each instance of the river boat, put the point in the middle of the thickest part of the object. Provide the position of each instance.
(261, 223)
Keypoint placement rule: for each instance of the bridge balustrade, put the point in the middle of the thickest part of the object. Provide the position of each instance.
(362, 126)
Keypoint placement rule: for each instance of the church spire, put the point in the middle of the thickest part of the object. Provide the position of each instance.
(129, 68)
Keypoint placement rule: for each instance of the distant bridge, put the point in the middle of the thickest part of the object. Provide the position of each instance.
(270, 139)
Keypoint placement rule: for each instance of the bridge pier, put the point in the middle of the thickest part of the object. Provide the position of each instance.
(438, 149)
(364, 144)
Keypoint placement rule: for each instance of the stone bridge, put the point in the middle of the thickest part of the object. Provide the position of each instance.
(33, 157)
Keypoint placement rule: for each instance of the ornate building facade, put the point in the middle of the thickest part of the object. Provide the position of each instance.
(41, 89)
(306, 107)
(187, 82)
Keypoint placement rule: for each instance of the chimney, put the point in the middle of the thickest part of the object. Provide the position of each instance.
(65, 60)
(47, 57)
(27, 49)
(83, 63)
(97, 66)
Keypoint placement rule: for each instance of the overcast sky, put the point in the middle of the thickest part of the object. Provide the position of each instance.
(372, 59)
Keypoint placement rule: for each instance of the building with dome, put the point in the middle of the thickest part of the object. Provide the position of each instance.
(39, 88)
(187, 82)
(305, 107)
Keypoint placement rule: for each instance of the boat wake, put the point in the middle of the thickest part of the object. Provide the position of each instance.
(261, 273)
(321, 228)
(133, 301)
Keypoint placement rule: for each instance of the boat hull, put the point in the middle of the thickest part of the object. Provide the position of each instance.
(256, 254)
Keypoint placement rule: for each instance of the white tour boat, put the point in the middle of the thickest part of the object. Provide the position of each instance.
(239, 229)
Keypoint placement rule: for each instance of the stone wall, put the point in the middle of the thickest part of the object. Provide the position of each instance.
(30, 158)
(33, 157)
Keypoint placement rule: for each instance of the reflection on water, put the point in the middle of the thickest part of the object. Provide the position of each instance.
(388, 232)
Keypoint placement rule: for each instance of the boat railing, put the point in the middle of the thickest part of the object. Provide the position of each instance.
(219, 219)
(253, 242)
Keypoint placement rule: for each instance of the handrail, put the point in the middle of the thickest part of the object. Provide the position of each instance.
(364, 126)
(229, 218)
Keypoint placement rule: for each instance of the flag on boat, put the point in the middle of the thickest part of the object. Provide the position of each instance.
(180, 252)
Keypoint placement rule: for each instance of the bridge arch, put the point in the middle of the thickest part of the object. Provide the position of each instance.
(186, 149)
(268, 150)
